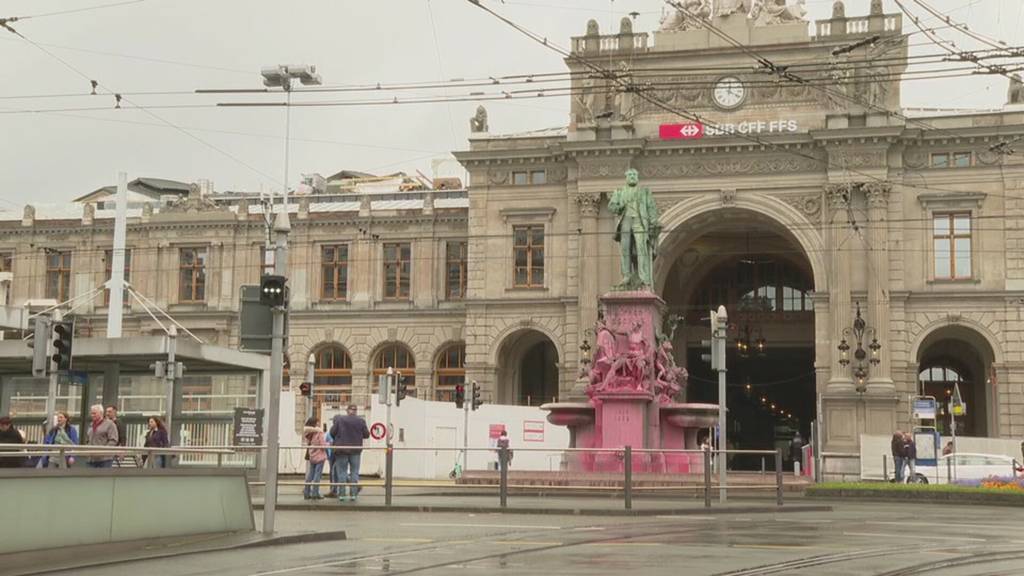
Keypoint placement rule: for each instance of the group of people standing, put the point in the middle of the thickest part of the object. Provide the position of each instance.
(341, 447)
(104, 429)
(904, 456)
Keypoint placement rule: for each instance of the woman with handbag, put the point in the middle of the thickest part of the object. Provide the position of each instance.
(63, 434)
(316, 454)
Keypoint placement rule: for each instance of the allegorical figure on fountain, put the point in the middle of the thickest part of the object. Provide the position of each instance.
(636, 231)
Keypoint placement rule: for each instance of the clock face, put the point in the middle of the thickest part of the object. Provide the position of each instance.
(729, 92)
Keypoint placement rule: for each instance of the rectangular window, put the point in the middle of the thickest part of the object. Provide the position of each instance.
(58, 274)
(6, 261)
(397, 270)
(951, 240)
(108, 262)
(539, 177)
(962, 160)
(528, 256)
(940, 160)
(266, 263)
(455, 270)
(520, 178)
(192, 274)
(334, 272)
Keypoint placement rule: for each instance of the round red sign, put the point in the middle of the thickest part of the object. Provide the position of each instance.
(378, 430)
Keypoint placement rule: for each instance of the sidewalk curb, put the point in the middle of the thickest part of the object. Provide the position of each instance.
(556, 511)
(256, 541)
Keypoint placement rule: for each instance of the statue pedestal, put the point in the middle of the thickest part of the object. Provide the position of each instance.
(628, 405)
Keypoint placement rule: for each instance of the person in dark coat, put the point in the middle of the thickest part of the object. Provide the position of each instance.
(156, 437)
(896, 448)
(348, 432)
(10, 435)
(122, 432)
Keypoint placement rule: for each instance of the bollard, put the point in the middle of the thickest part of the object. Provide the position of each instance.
(503, 476)
(627, 465)
(885, 467)
(707, 478)
(389, 458)
(762, 466)
(949, 470)
(778, 476)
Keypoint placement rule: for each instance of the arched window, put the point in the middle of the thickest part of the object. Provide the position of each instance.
(401, 359)
(332, 377)
(451, 371)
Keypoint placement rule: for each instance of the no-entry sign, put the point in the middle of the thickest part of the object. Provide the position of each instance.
(684, 131)
(378, 430)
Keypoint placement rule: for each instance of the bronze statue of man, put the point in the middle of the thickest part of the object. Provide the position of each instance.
(636, 231)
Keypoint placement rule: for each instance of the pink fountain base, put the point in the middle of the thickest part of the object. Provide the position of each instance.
(631, 384)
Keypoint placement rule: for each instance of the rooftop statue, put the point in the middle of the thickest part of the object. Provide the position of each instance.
(636, 231)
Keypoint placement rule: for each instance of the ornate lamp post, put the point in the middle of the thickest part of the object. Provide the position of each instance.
(860, 367)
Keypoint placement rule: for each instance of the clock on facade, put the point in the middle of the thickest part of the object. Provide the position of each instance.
(729, 92)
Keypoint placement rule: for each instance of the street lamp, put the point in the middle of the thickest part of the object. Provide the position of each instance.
(860, 368)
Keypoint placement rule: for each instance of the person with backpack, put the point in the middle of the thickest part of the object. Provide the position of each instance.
(316, 455)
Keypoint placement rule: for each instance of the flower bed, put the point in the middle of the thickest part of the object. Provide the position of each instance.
(1004, 491)
(1000, 483)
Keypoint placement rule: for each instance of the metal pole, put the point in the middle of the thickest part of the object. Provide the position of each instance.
(174, 437)
(115, 309)
(778, 476)
(503, 476)
(628, 466)
(281, 229)
(389, 460)
(465, 434)
(310, 377)
(387, 405)
(723, 444)
(707, 478)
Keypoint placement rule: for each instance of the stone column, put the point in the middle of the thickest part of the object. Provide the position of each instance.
(839, 285)
(880, 380)
(589, 261)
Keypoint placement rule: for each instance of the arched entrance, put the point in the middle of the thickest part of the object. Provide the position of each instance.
(957, 356)
(332, 379)
(754, 266)
(527, 369)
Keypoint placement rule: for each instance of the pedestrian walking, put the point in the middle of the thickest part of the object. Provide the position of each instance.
(910, 457)
(348, 432)
(62, 434)
(503, 443)
(101, 432)
(10, 435)
(122, 432)
(157, 437)
(896, 448)
(796, 451)
(316, 455)
(948, 448)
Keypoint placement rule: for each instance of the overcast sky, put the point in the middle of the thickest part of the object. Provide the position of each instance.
(182, 45)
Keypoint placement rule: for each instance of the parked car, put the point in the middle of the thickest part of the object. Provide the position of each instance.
(964, 466)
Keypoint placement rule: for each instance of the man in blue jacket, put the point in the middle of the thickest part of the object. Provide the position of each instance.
(348, 432)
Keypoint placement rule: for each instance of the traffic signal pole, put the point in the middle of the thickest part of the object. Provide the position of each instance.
(465, 435)
(51, 391)
(721, 320)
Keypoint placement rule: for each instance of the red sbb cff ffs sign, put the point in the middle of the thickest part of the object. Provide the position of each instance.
(685, 131)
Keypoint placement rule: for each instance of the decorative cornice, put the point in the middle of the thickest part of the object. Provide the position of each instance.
(540, 213)
(951, 200)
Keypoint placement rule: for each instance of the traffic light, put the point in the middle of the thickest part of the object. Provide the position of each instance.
(63, 337)
(477, 402)
(460, 396)
(273, 290)
(40, 336)
(305, 389)
(401, 388)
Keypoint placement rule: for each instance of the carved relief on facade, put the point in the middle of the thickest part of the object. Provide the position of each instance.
(557, 174)
(589, 204)
(497, 176)
(809, 204)
(841, 158)
(839, 195)
(725, 166)
(877, 194)
(915, 158)
(727, 196)
(604, 168)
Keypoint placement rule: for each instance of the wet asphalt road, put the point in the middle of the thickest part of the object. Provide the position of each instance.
(855, 539)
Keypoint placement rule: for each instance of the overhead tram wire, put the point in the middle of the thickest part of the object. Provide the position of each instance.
(688, 115)
(120, 98)
(964, 29)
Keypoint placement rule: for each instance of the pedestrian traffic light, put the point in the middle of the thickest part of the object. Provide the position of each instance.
(63, 336)
(273, 290)
(460, 396)
(37, 342)
(305, 389)
(401, 388)
(477, 402)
